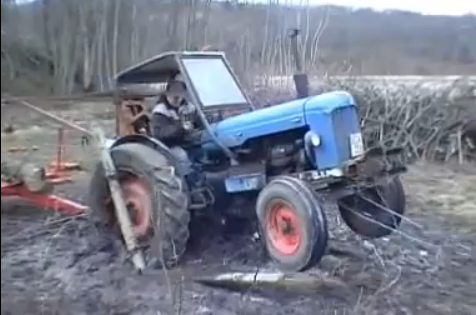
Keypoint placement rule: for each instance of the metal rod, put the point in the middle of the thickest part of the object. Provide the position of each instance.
(293, 34)
(120, 206)
(60, 150)
(49, 115)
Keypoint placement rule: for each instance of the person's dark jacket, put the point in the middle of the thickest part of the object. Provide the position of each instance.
(168, 129)
(165, 128)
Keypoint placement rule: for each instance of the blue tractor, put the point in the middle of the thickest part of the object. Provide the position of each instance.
(286, 162)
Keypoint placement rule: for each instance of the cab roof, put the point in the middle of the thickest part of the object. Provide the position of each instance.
(158, 68)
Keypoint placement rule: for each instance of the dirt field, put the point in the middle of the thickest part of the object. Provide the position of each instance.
(56, 265)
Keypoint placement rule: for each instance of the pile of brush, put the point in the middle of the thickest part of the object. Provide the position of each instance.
(430, 121)
(434, 122)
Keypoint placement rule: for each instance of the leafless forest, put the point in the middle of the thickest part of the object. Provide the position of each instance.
(61, 46)
(53, 264)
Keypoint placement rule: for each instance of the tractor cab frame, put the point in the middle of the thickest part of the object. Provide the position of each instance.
(212, 88)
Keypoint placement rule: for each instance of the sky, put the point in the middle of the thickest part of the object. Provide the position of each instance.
(435, 7)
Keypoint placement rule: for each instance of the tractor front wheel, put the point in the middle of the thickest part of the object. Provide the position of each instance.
(156, 198)
(292, 224)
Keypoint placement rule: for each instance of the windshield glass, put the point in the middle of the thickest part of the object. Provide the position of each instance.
(213, 82)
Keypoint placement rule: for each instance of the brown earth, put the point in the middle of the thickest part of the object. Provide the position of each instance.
(56, 265)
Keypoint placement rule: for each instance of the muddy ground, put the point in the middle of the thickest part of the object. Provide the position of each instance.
(53, 264)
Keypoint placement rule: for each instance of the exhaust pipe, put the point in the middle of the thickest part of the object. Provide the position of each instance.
(301, 81)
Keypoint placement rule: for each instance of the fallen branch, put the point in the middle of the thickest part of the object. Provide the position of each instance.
(290, 282)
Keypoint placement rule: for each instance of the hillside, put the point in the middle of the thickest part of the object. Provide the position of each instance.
(60, 46)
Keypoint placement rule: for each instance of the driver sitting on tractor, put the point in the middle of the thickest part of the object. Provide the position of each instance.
(173, 122)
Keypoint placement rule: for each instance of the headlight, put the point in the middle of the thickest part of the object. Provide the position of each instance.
(315, 140)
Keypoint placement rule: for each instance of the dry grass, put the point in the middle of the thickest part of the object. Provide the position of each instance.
(445, 191)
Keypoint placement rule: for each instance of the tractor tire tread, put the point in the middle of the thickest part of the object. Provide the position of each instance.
(311, 212)
(170, 194)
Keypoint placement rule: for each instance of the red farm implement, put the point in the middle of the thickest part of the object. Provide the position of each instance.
(36, 184)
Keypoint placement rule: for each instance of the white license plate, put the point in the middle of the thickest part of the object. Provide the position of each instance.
(249, 183)
(356, 144)
(242, 184)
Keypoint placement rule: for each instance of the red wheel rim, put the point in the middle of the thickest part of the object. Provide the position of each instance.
(137, 199)
(283, 228)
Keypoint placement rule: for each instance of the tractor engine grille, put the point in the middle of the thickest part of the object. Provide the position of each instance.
(345, 123)
(336, 129)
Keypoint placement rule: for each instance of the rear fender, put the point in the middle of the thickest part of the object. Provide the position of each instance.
(147, 141)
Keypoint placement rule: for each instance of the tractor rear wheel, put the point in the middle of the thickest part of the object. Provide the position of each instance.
(375, 212)
(156, 197)
(292, 224)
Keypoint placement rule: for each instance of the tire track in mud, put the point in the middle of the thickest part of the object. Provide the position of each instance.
(71, 269)
(57, 265)
(70, 266)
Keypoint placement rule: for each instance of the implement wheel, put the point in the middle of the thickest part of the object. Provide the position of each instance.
(367, 213)
(292, 223)
(156, 198)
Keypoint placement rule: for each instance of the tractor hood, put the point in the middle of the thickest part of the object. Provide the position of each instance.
(234, 131)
